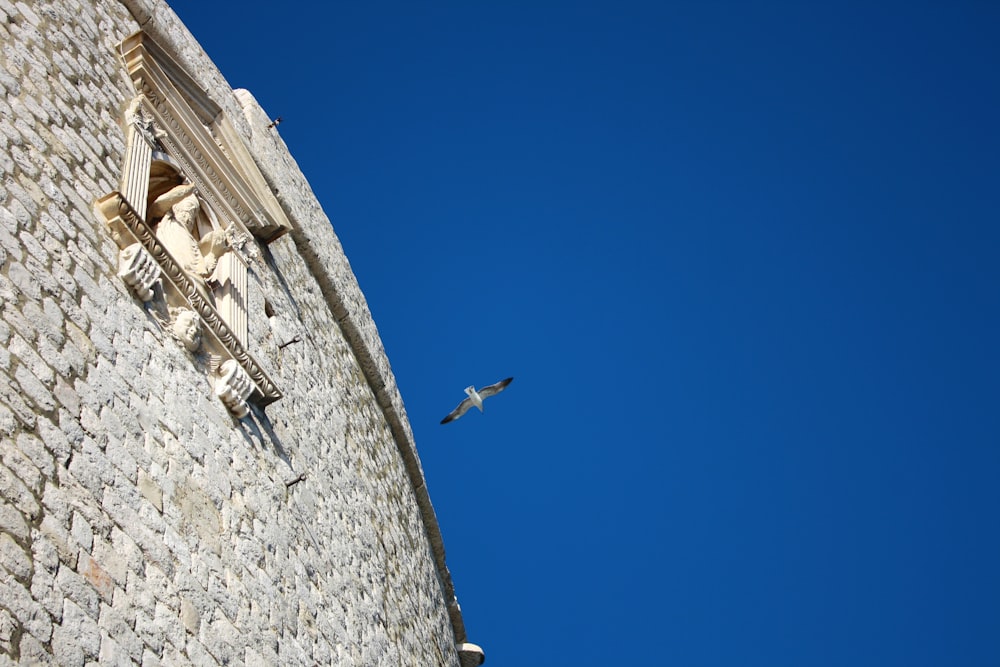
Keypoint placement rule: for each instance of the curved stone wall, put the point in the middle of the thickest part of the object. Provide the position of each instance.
(141, 521)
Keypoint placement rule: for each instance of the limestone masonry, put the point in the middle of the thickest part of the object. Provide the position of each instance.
(205, 458)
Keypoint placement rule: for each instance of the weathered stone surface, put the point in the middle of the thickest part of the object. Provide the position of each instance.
(140, 521)
(30, 615)
(13, 558)
(77, 638)
(150, 490)
(12, 521)
(8, 631)
(95, 575)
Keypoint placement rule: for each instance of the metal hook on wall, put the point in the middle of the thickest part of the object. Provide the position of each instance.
(295, 339)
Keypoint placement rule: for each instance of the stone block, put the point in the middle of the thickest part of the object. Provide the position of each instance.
(44, 589)
(151, 659)
(54, 437)
(96, 576)
(14, 559)
(89, 469)
(56, 533)
(128, 552)
(190, 616)
(27, 355)
(197, 654)
(78, 591)
(150, 490)
(116, 625)
(168, 624)
(23, 280)
(22, 467)
(33, 652)
(50, 351)
(34, 247)
(82, 532)
(34, 390)
(149, 632)
(35, 451)
(45, 555)
(65, 648)
(17, 494)
(8, 239)
(111, 654)
(117, 453)
(12, 521)
(28, 612)
(8, 630)
(8, 420)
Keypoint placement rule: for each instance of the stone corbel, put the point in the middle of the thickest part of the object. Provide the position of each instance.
(139, 270)
(233, 387)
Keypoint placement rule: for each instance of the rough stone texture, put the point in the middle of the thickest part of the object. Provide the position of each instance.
(140, 523)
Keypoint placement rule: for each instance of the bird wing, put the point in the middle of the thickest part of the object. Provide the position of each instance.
(486, 392)
(458, 412)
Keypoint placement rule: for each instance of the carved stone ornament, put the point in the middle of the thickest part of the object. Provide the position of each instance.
(233, 387)
(174, 115)
(186, 327)
(182, 290)
(139, 270)
(188, 216)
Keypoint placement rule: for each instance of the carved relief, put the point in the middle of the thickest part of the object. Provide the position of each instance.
(139, 270)
(180, 291)
(185, 325)
(175, 216)
(182, 218)
(179, 118)
(233, 387)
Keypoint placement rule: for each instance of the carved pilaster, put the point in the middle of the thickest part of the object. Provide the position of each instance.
(231, 293)
(138, 157)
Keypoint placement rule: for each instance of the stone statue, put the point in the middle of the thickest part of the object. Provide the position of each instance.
(186, 327)
(179, 207)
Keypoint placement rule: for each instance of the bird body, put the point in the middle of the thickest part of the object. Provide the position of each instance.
(476, 398)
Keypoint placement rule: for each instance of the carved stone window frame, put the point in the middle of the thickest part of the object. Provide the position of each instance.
(173, 122)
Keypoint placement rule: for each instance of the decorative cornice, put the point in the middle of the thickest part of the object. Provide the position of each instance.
(195, 165)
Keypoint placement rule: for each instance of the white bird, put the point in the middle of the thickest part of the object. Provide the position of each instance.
(476, 398)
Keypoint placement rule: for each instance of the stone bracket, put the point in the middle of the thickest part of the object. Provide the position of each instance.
(139, 270)
(233, 387)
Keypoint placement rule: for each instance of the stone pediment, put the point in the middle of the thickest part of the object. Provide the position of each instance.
(202, 139)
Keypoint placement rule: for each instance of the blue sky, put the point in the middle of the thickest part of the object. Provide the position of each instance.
(741, 259)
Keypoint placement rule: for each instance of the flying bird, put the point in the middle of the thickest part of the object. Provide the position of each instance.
(476, 398)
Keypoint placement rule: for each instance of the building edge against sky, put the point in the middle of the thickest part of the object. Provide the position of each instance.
(206, 458)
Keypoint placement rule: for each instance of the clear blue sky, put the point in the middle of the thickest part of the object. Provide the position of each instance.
(741, 259)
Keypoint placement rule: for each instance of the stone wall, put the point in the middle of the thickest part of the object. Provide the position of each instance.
(141, 522)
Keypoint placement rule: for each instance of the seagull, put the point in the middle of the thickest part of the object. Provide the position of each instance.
(476, 398)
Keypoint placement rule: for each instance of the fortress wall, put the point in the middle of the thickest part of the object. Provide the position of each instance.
(141, 521)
